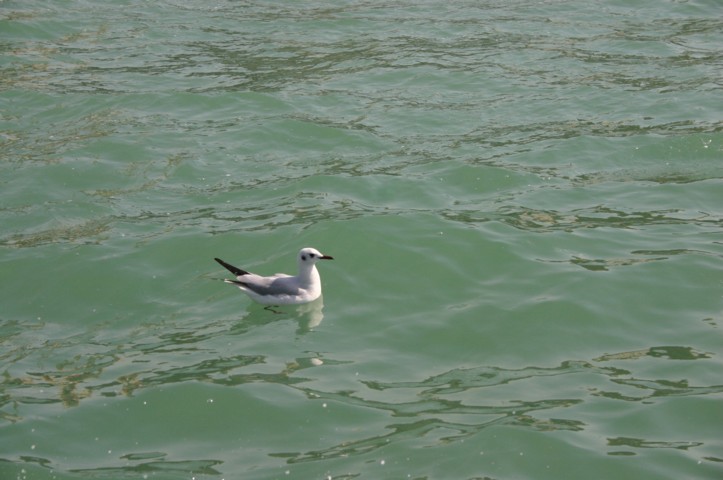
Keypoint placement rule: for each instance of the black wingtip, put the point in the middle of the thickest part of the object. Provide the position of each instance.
(235, 270)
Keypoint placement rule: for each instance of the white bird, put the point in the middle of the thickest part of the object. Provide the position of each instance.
(282, 289)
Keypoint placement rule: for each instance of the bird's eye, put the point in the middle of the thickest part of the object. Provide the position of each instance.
(312, 255)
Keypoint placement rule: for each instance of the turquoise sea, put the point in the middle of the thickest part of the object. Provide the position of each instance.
(524, 200)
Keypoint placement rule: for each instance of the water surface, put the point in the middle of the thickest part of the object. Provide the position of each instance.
(523, 200)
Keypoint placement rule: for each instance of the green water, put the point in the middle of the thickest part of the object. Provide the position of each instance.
(524, 201)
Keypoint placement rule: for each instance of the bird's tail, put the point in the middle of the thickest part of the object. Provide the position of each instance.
(235, 270)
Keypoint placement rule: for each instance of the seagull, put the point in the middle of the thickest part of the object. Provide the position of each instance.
(282, 289)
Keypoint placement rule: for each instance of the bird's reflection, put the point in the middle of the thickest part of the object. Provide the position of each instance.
(310, 314)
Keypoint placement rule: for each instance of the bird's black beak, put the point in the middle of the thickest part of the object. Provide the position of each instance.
(326, 257)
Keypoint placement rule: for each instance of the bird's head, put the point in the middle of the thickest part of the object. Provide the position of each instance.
(309, 256)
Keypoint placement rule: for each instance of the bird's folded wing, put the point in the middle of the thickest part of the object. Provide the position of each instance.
(276, 285)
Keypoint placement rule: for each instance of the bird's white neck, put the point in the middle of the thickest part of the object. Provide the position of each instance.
(308, 274)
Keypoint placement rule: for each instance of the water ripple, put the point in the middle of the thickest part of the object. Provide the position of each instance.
(143, 469)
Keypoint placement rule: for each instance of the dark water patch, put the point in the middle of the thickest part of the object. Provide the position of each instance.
(92, 231)
(212, 370)
(659, 175)
(657, 389)
(155, 468)
(458, 380)
(669, 352)
(641, 443)
(600, 216)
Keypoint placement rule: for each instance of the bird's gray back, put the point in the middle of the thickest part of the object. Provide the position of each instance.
(276, 285)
